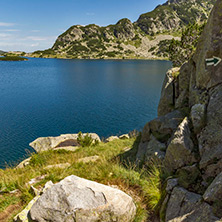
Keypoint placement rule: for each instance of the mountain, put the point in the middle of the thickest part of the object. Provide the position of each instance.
(130, 40)
(1, 52)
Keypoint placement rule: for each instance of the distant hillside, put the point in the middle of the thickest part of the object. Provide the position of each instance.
(1, 52)
(130, 40)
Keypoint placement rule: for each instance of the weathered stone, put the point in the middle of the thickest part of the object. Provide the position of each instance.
(198, 117)
(64, 140)
(183, 89)
(68, 148)
(180, 150)
(61, 166)
(111, 138)
(212, 170)
(24, 163)
(162, 127)
(124, 136)
(150, 149)
(166, 103)
(89, 159)
(36, 180)
(188, 175)
(184, 206)
(23, 216)
(210, 138)
(77, 199)
(214, 191)
(171, 183)
(48, 185)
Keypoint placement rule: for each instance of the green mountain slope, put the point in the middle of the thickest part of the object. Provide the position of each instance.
(130, 40)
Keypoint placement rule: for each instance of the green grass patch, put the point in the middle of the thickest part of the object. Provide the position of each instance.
(114, 167)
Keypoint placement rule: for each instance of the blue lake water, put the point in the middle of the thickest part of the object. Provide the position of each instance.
(49, 97)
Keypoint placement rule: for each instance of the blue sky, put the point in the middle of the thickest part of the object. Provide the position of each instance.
(29, 25)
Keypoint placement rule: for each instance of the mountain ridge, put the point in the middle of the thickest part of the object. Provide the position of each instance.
(126, 39)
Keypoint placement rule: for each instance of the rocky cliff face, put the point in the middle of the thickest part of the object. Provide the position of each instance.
(190, 127)
(126, 39)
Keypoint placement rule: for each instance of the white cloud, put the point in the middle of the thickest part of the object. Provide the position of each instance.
(11, 30)
(35, 44)
(6, 24)
(4, 35)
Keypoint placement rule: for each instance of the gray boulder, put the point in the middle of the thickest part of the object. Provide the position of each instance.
(80, 200)
(64, 140)
(185, 206)
(150, 149)
(198, 116)
(214, 191)
(180, 150)
(162, 127)
(111, 138)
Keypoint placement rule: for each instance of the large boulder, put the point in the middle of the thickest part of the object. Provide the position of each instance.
(214, 191)
(150, 149)
(64, 140)
(198, 117)
(162, 127)
(80, 200)
(180, 150)
(185, 206)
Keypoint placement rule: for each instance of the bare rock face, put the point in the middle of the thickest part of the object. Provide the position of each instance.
(214, 191)
(198, 112)
(124, 29)
(166, 103)
(80, 200)
(194, 151)
(150, 149)
(180, 150)
(185, 206)
(162, 127)
(64, 140)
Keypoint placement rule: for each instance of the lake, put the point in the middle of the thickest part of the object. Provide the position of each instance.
(49, 97)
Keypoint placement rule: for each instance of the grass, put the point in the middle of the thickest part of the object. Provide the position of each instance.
(115, 167)
(12, 58)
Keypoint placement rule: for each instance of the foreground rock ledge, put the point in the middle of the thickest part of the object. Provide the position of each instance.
(60, 142)
(81, 200)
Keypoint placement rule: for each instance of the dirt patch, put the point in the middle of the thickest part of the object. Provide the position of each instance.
(9, 211)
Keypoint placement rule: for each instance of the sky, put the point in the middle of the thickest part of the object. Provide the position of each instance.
(30, 25)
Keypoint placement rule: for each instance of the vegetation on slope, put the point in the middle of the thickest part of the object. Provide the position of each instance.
(13, 58)
(114, 167)
(124, 39)
(180, 51)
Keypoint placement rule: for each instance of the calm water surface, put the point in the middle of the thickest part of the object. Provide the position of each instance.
(49, 97)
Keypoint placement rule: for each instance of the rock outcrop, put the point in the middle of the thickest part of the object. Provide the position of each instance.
(80, 200)
(193, 145)
(64, 141)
